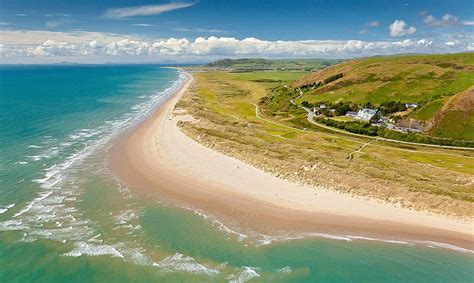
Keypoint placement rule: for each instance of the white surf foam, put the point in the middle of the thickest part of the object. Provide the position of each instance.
(445, 246)
(83, 248)
(5, 208)
(285, 269)
(221, 226)
(180, 262)
(247, 273)
(11, 225)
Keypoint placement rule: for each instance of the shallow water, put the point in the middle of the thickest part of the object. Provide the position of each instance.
(64, 215)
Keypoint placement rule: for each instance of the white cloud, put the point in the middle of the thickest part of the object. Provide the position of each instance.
(43, 46)
(21, 15)
(32, 37)
(147, 10)
(400, 28)
(58, 15)
(422, 13)
(446, 21)
(200, 30)
(143, 25)
(468, 23)
(373, 24)
(57, 23)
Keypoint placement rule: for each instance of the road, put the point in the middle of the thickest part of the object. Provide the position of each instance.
(310, 118)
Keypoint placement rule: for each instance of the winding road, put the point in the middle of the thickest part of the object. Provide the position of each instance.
(310, 118)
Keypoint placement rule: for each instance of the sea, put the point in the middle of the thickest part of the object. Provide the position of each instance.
(65, 217)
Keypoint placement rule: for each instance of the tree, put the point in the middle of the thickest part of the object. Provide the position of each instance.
(375, 118)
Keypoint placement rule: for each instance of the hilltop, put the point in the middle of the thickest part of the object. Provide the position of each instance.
(273, 64)
(440, 86)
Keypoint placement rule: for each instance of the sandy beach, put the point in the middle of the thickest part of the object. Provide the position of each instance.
(162, 163)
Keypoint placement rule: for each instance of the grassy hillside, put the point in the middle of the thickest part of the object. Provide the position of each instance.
(456, 117)
(266, 64)
(429, 80)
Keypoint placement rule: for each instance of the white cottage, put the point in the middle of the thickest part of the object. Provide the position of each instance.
(366, 113)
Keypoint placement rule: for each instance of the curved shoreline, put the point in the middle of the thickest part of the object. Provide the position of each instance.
(160, 162)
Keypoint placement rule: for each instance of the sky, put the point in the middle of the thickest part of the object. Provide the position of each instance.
(137, 31)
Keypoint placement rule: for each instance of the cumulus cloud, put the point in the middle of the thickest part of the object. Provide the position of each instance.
(468, 23)
(111, 47)
(400, 28)
(447, 20)
(146, 10)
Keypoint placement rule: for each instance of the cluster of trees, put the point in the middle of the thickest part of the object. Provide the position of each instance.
(357, 127)
(390, 107)
(314, 85)
(332, 78)
(365, 128)
(278, 100)
(340, 108)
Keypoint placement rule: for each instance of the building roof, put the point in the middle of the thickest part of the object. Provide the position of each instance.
(369, 111)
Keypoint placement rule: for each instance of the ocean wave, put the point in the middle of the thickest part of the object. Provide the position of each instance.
(266, 240)
(247, 273)
(180, 262)
(86, 249)
(285, 269)
(5, 208)
(432, 244)
(221, 226)
(34, 146)
(12, 225)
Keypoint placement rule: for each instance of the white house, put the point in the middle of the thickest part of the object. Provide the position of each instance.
(411, 105)
(366, 113)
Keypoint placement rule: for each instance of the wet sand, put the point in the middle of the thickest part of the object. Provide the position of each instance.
(160, 162)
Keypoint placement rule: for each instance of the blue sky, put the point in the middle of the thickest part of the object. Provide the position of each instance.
(357, 27)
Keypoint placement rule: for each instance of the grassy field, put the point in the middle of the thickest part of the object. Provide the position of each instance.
(282, 142)
(274, 64)
(429, 80)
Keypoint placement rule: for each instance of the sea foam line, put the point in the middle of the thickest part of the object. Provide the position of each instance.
(349, 238)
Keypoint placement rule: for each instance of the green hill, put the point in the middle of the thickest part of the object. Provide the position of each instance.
(267, 64)
(431, 81)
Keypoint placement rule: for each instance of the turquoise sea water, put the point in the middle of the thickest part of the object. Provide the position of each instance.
(65, 218)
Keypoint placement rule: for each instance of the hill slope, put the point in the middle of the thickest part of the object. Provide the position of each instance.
(456, 118)
(432, 81)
